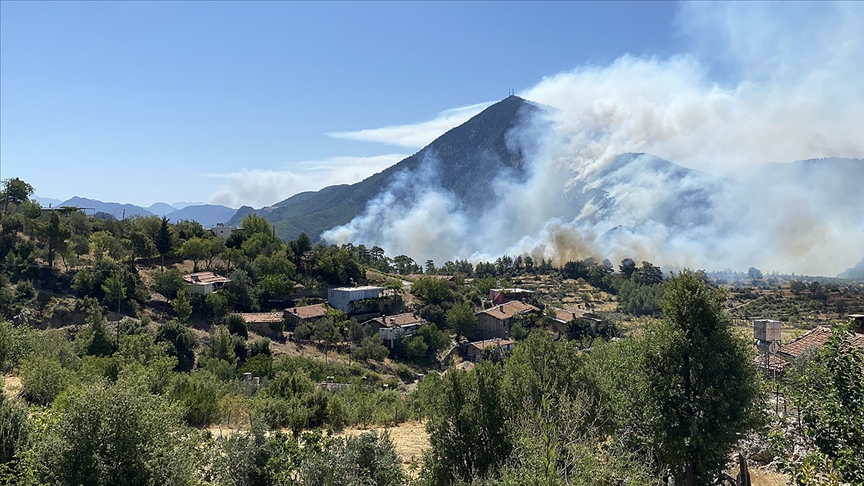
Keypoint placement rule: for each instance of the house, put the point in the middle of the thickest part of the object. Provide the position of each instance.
(500, 296)
(391, 328)
(341, 297)
(497, 321)
(223, 231)
(306, 313)
(477, 350)
(563, 317)
(204, 282)
(814, 338)
(268, 324)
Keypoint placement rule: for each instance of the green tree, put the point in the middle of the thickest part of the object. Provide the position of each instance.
(114, 289)
(194, 249)
(117, 435)
(164, 240)
(461, 319)
(237, 325)
(467, 431)
(181, 343)
(182, 305)
(828, 389)
(15, 191)
(55, 235)
(169, 283)
(701, 385)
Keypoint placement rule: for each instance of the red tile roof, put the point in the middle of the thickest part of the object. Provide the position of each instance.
(509, 309)
(308, 311)
(815, 338)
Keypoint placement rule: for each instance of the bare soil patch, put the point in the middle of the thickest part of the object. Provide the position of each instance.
(409, 438)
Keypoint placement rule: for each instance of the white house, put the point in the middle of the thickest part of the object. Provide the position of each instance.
(204, 282)
(341, 297)
(222, 231)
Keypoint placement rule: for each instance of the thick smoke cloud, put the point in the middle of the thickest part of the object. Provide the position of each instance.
(791, 87)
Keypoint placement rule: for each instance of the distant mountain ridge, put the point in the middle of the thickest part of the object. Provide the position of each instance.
(206, 214)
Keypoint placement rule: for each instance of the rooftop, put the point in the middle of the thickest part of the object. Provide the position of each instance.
(352, 289)
(509, 309)
(308, 311)
(251, 317)
(204, 278)
(567, 315)
(399, 320)
(491, 343)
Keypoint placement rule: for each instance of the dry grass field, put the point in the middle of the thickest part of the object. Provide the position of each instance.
(410, 439)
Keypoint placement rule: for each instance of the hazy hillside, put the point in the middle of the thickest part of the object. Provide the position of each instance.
(117, 210)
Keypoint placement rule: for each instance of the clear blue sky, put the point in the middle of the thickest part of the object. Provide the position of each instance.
(251, 102)
(152, 101)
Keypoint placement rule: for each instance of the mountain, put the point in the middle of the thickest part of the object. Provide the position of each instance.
(854, 273)
(46, 201)
(468, 157)
(206, 214)
(117, 210)
(160, 208)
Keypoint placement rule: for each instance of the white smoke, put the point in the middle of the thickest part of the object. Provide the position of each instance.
(259, 188)
(792, 88)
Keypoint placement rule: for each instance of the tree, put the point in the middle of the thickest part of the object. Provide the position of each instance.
(164, 240)
(462, 319)
(182, 305)
(702, 386)
(627, 267)
(55, 235)
(181, 341)
(15, 191)
(194, 249)
(468, 429)
(237, 325)
(114, 289)
(117, 435)
(828, 389)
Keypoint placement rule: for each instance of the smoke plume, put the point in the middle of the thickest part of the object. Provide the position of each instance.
(763, 84)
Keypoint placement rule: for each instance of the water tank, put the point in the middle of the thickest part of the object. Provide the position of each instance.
(766, 330)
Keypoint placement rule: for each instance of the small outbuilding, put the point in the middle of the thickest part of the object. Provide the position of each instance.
(204, 283)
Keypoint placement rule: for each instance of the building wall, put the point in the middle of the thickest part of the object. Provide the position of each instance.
(489, 327)
(200, 288)
(341, 299)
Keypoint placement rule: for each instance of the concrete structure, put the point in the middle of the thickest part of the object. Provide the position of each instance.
(500, 296)
(307, 314)
(391, 328)
(766, 330)
(497, 321)
(223, 231)
(204, 282)
(563, 317)
(268, 324)
(341, 297)
(477, 350)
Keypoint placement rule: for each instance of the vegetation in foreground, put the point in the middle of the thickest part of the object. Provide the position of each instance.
(131, 401)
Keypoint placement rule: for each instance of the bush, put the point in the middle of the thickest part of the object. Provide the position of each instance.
(42, 379)
(237, 325)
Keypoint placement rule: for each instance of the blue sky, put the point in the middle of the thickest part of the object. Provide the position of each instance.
(247, 103)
